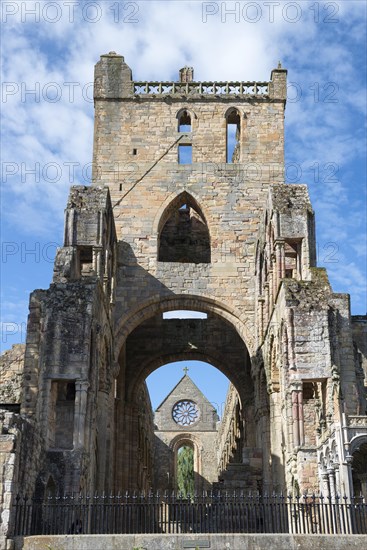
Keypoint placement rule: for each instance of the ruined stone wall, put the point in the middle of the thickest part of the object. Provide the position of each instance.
(11, 372)
(15, 446)
(69, 370)
(229, 431)
(306, 348)
(10, 437)
(144, 457)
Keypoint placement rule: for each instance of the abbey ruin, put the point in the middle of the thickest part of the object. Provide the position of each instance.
(174, 220)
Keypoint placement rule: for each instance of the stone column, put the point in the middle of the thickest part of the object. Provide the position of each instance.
(331, 475)
(290, 325)
(261, 317)
(266, 293)
(280, 255)
(295, 412)
(271, 291)
(325, 484)
(81, 393)
(300, 418)
(97, 261)
(337, 479)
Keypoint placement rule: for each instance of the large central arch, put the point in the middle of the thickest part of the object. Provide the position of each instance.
(146, 341)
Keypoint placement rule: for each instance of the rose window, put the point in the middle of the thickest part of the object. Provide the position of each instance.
(185, 413)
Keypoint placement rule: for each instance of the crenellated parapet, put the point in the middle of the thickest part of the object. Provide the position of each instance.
(113, 80)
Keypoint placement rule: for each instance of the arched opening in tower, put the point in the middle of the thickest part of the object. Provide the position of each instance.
(184, 235)
(184, 121)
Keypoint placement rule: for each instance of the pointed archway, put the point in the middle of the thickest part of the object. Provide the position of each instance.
(183, 234)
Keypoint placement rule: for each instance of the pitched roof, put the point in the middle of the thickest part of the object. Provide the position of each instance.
(188, 388)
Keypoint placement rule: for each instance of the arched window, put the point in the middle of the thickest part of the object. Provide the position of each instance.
(184, 150)
(185, 470)
(233, 129)
(184, 121)
(184, 235)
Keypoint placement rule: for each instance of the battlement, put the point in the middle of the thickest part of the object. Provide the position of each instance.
(113, 80)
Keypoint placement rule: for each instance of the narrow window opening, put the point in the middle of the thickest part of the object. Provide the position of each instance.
(292, 254)
(185, 471)
(86, 260)
(185, 154)
(184, 122)
(309, 406)
(233, 136)
(120, 186)
(135, 151)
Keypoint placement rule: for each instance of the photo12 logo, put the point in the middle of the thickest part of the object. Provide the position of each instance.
(28, 252)
(271, 12)
(49, 92)
(69, 11)
(11, 330)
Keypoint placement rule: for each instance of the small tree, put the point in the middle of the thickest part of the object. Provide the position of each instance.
(185, 470)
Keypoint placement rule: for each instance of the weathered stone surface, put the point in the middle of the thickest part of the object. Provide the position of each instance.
(11, 373)
(217, 542)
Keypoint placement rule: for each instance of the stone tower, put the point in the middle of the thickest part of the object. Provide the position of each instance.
(188, 210)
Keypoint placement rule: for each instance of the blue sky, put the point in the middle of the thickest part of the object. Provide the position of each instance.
(51, 48)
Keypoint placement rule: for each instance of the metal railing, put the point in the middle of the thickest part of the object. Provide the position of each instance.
(214, 512)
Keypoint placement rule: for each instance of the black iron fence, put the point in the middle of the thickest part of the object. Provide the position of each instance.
(212, 512)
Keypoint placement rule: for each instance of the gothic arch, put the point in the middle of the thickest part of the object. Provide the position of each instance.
(233, 111)
(173, 201)
(356, 443)
(155, 363)
(185, 116)
(183, 233)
